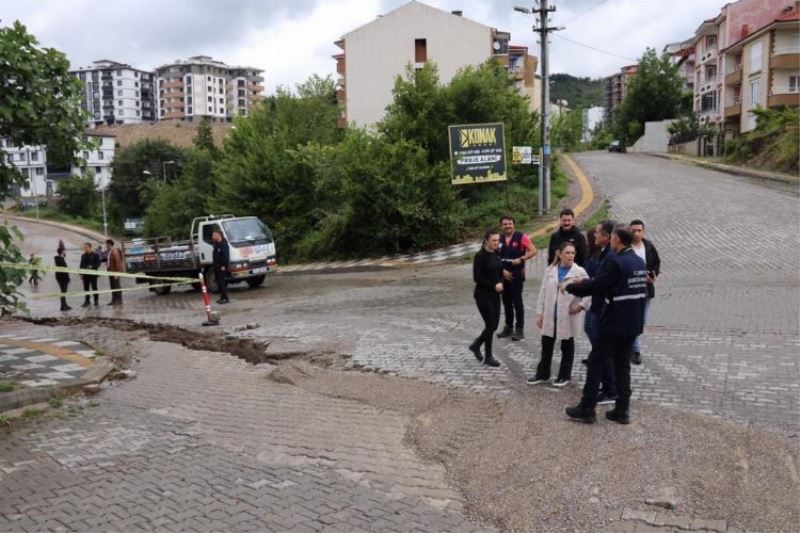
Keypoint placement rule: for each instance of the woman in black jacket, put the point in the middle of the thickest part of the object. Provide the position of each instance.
(487, 271)
(62, 277)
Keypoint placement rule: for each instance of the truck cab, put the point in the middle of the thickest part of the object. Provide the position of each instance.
(250, 244)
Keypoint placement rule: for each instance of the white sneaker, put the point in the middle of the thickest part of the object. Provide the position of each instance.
(560, 383)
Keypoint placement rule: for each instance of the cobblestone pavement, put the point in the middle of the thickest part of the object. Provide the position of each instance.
(198, 442)
(39, 362)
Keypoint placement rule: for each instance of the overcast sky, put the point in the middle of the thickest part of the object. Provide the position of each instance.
(292, 39)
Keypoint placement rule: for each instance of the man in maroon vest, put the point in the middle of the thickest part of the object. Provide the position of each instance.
(515, 249)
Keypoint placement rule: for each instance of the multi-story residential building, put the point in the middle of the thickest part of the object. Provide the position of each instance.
(31, 161)
(98, 160)
(715, 44)
(116, 93)
(203, 87)
(616, 87)
(682, 55)
(373, 56)
(763, 70)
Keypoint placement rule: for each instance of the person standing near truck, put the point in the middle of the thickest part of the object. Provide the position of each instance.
(115, 264)
(221, 263)
(90, 260)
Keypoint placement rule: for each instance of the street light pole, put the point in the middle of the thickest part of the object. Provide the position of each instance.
(544, 163)
(105, 220)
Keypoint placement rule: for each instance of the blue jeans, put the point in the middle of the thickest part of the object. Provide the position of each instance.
(590, 327)
(637, 344)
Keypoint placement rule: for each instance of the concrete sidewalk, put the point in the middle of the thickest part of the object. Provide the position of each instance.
(730, 169)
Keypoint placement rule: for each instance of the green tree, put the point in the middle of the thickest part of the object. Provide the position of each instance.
(655, 92)
(39, 104)
(566, 129)
(79, 196)
(205, 136)
(132, 189)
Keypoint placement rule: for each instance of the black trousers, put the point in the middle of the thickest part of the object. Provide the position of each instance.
(512, 301)
(618, 348)
(63, 285)
(90, 284)
(567, 357)
(489, 308)
(222, 283)
(116, 296)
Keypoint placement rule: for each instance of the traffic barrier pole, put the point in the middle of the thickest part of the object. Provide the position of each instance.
(213, 318)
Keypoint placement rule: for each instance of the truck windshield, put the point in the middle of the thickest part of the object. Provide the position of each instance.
(244, 231)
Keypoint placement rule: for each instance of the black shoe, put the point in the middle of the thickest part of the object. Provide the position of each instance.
(536, 380)
(476, 349)
(560, 383)
(112, 302)
(518, 335)
(96, 302)
(86, 304)
(636, 358)
(65, 308)
(491, 361)
(618, 416)
(222, 301)
(606, 399)
(581, 413)
(585, 361)
(507, 331)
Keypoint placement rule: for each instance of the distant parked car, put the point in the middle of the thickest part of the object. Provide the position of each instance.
(617, 146)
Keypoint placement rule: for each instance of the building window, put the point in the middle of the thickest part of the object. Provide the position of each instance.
(100, 154)
(189, 110)
(240, 83)
(189, 100)
(755, 92)
(188, 80)
(209, 99)
(119, 83)
(221, 100)
(119, 73)
(121, 112)
(420, 50)
(21, 157)
(34, 156)
(711, 42)
(209, 78)
(211, 88)
(709, 102)
(755, 57)
(135, 74)
(794, 82)
(98, 170)
(119, 92)
(221, 110)
(39, 171)
(210, 109)
(119, 102)
(136, 84)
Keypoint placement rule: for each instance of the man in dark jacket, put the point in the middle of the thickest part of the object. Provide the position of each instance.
(62, 277)
(568, 232)
(648, 252)
(623, 285)
(116, 263)
(221, 264)
(90, 260)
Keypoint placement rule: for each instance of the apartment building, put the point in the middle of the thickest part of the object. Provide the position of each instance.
(616, 87)
(116, 93)
(373, 55)
(682, 55)
(763, 70)
(201, 87)
(98, 161)
(31, 161)
(716, 43)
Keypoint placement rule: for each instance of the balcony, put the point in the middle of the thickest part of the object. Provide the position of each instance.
(784, 95)
(735, 77)
(172, 84)
(785, 58)
(734, 110)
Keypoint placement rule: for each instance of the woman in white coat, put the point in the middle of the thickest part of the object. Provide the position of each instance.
(559, 316)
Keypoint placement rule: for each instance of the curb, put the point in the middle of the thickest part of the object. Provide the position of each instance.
(61, 225)
(10, 401)
(729, 169)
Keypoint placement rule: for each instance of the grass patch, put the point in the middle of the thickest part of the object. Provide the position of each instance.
(4, 420)
(599, 215)
(8, 386)
(56, 401)
(32, 413)
(48, 213)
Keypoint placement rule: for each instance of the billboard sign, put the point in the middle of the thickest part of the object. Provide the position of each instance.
(477, 153)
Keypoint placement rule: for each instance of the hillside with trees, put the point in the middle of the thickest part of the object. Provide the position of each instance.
(580, 93)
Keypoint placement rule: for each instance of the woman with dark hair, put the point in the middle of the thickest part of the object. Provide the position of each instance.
(62, 277)
(487, 271)
(557, 316)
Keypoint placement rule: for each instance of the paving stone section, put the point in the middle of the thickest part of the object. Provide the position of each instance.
(201, 443)
(40, 362)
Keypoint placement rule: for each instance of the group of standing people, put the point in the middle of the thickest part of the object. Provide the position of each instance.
(91, 260)
(601, 283)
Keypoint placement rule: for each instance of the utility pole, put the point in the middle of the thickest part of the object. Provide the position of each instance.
(543, 30)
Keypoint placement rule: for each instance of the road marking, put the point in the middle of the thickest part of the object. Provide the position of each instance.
(50, 349)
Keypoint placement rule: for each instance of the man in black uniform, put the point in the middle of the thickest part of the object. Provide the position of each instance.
(90, 260)
(221, 260)
(515, 248)
(623, 284)
(568, 232)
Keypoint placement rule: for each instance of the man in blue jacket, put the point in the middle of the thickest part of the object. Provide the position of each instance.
(623, 284)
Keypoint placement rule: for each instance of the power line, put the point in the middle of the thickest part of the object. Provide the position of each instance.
(594, 48)
(584, 12)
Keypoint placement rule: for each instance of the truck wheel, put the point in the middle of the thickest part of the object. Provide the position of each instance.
(256, 281)
(163, 291)
(211, 281)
